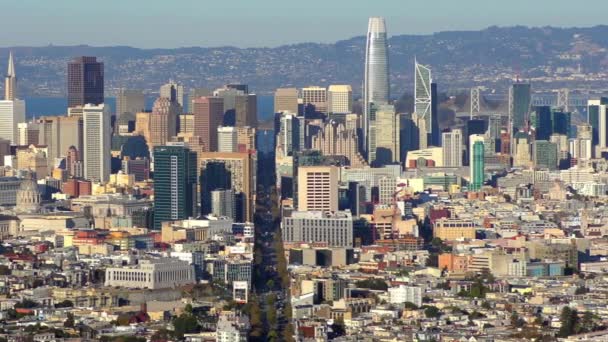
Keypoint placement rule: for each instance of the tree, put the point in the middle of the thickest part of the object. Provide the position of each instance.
(185, 324)
(65, 304)
(516, 321)
(410, 306)
(432, 312)
(485, 305)
(5, 270)
(373, 284)
(569, 321)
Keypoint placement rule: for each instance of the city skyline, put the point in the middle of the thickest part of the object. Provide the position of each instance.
(272, 23)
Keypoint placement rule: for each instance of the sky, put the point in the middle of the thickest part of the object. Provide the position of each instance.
(257, 23)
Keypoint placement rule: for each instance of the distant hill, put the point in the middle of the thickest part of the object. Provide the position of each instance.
(459, 59)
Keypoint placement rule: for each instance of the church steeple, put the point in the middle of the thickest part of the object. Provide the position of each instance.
(10, 81)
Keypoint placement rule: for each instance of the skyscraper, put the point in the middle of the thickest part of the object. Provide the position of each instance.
(286, 100)
(318, 188)
(339, 99)
(542, 122)
(246, 110)
(545, 154)
(520, 99)
(452, 148)
(85, 82)
(97, 135)
(435, 133)
(129, 101)
(477, 162)
(376, 79)
(10, 81)
(11, 114)
(387, 136)
(174, 92)
(208, 113)
(163, 121)
(314, 99)
(423, 96)
(174, 183)
(227, 139)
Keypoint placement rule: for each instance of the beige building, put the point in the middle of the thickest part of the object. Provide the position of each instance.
(318, 188)
(163, 121)
(245, 138)
(185, 123)
(316, 96)
(286, 100)
(340, 99)
(335, 140)
(449, 229)
(387, 135)
(33, 158)
(58, 133)
(151, 274)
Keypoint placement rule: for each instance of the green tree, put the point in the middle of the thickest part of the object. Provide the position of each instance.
(69, 322)
(373, 284)
(65, 304)
(185, 324)
(569, 321)
(432, 312)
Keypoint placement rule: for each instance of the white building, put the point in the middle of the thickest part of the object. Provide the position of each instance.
(340, 99)
(335, 228)
(232, 329)
(97, 137)
(227, 139)
(452, 148)
(151, 274)
(223, 203)
(403, 293)
(11, 114)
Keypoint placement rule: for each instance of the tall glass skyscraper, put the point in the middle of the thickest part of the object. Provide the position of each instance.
(520, 99)
(477, 162)
(423, 95)
(174, 183)
(376, 80)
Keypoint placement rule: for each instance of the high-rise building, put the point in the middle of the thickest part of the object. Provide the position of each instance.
(376, 87)
(227, 139)
(174, 183)
(336, 140)
(246, 110)
(85, 82)
(195, 93)
(423, 96)
(520, 99)
(387, 136)
(542, 122)
(185, 123)
(12, 112)
(208, 113)
(173, 91)
(97, 135)
(452, 148)
(129, 101)
(223, 203)
(339, 99)
(596, 115)
(229, 170)
(163, 121)
(560, 122)
(58, 133)
(245, 139)
(73, 163)
(318, 188)
(10, 81)
(288, 137)
(305, 226)
(545, 154)
(28, 133)
(315, 99)
(286, 100)
(477, 162)
(435, 133)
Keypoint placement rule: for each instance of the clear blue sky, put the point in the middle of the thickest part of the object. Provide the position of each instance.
(245, 23)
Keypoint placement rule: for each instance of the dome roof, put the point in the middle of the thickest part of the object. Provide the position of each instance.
(28, 185)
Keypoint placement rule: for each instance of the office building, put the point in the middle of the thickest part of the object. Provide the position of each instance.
(340, 99)
(560, 122)
(596, 118)
(34, 159)
(318, 188)
(227, 139)
(376, 87)
(450, 229)
(387, 136)
(545, 155)
(162, 121)
(174, 92)
(314, 99)
(245, 139)
(85, 82)
(139, 167)
(151, 274)
(208, 115)
(289, 137)
(73, 163)
(520, 99)
(542, 122)
(10, 80)
(223, 203)
(423, 97)
(195, 93)
(286, 100)
(11, 114)
(58, 133)
(185, 124)
(129, 101)
(97, 135)
(246, 111)
(333, 228)
(334, 139)
(435, 132)
(229, 170)
(452, 148)
(477, 162)
(233, 328)
(580, 149)
(28, 133)
(175, 176)
(406, 294)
